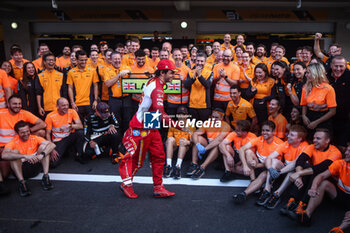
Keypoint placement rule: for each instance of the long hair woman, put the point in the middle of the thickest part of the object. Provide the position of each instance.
(317, 99)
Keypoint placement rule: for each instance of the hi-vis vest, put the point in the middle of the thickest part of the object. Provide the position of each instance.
(176, 98)
(183, 97)
(222, 90)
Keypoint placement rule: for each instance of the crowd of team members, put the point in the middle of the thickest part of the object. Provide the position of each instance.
(270, 110)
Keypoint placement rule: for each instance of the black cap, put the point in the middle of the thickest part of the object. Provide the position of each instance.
(103, 109)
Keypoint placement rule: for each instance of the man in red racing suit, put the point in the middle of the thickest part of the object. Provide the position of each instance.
(138, 140)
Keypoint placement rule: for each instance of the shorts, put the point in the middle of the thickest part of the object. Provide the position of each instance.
(236, 157)
(342, 198)
(31, 170)
(259, 170)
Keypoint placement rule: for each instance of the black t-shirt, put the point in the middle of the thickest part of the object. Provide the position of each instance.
(342, 92)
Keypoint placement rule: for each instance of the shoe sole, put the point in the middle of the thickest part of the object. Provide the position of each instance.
(160, 196)
(46, 188)
(262, 203)
(190, 173)
(196, 178)
(122, 189)
(25, 194)
(272, 207)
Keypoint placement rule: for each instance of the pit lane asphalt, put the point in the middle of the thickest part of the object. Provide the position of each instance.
(81, 207)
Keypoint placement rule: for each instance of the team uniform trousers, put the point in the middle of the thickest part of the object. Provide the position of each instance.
(137, 146)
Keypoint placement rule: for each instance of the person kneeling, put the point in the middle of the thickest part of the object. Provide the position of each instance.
(25, 151)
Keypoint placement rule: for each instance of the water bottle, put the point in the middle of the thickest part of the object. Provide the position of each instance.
(97, 150)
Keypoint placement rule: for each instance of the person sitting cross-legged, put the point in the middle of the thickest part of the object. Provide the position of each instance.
(24, 152)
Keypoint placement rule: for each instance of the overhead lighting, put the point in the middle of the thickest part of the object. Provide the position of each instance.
(184, 24)
(299, 4)
(54, 4)
(14, 25)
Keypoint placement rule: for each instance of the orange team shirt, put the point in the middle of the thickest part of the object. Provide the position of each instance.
(340, 170)
(240, 111)
(180, 98)
(99, 62)
(249, 72)
(281, 123)
(213, 132)
(152, 63)
(130, 60)
(13, 61)
(263, 88)
(143, 69)
(8, 121)
(13, 83)
(317, 157)
(18, 72)
(102, 72)
(222, 87)
(290, 153)
(38, 63)
(116, 88)
(28, 147)
(4, 83)
(51, 82)
(238, 142)
(264, 60)
(254, 60)
(63, 62)
(211, 59)
(323, 94)
(222, 47)
(82, 80)
(54, 121)
(198, 91)
(177, 134)
(263, 149)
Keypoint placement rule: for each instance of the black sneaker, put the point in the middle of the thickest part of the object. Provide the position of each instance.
(167, 171)
(193, 167)
(228, 176)
(81, 159)
(177, 172)
(264, 197)
(46, 183)
(304, 219)
(24, 189)
(3, 189)
(290, 206)
(198, 173)
(239, 198)
(273, 201)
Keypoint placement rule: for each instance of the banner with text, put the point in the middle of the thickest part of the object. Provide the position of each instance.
(135, 86)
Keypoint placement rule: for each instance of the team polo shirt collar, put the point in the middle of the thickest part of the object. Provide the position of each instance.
(239, 103)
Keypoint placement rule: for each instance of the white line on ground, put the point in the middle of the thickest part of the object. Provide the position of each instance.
(144, 180)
